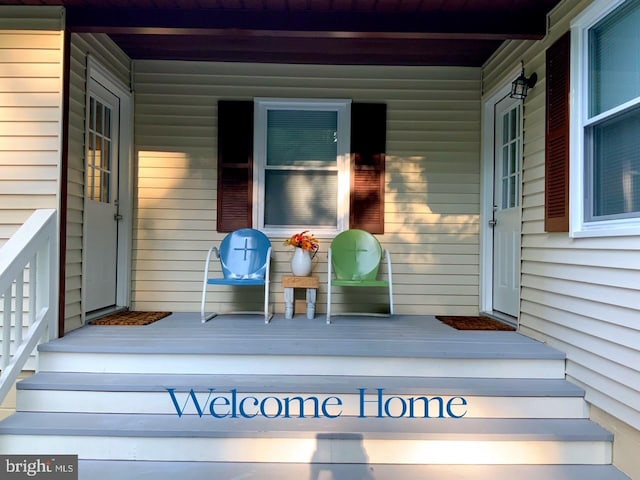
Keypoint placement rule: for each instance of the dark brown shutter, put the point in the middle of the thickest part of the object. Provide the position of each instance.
(235, 164)
(556, 207)
(368, 147)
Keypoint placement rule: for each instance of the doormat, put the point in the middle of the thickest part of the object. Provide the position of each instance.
(475, 323)
(131, 318)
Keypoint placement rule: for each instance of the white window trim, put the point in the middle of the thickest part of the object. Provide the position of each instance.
(343, 107)
(578, 226)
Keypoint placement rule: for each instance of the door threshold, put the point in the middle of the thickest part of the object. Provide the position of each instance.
(503, 317)
(103, 312)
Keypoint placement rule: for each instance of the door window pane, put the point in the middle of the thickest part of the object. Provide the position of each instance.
(510, 183)
(99, 119)
(99, 154)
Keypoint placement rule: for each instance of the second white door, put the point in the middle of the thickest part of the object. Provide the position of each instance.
(507, 208)
(101, 198)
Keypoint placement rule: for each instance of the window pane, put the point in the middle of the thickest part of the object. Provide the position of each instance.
(505, 128)
(98, 159)
(89, 175)
(301, 136)
(514, 123)
(505, 193)
(513, 160)
(99, 119)
(107, 122)
(616, 165)
(106, 154)
(97, 186)
(104, 193)
(505, 160)
(300, 198)
(92, 113)
(614, 63)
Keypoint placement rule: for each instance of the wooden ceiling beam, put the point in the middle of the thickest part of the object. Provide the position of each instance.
(516, 24)
(317, 51)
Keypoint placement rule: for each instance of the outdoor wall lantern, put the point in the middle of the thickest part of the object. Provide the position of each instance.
(521, 85)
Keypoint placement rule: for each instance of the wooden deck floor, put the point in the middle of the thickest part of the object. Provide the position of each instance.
(397, 336)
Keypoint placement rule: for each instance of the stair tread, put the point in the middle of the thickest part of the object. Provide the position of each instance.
(142, 470)
(327, 384)
(158, 425)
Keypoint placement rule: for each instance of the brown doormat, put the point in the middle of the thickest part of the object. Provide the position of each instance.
(131, 318)
(475, 323)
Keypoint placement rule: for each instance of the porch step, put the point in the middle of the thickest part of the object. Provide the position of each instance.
(102, 393)
(126, 393)
(429, 364)
(126, 470)
(405, 346)
(301, 365)
(302, 440)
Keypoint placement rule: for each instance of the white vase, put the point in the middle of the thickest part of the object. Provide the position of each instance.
(301, 263)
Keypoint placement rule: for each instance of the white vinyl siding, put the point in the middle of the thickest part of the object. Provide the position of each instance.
(432, 169)
(579, 295)
(101, 48)
(31, 53)
(31, 18)
(31, 43)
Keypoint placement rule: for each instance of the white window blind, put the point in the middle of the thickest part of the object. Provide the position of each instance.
(613, 160)
(614, 59)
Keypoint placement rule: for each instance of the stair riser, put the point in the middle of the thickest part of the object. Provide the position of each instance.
(311, 450)
(161, 403)
(300, 365)
(108, 470)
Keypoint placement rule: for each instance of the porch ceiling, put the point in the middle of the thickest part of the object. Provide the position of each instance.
(378, 32)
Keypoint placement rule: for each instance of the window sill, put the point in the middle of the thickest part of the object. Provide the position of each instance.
(287, 232)
(610, 228)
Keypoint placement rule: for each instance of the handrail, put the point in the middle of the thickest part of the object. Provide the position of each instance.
(31, 253)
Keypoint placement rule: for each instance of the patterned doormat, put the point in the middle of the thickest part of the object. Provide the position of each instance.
(131, 318)
(474, 323)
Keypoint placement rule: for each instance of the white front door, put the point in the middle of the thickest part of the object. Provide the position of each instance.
(506, 206)
(101, 198)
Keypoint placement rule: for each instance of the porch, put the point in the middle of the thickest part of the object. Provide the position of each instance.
(401, 397)
(415, 336)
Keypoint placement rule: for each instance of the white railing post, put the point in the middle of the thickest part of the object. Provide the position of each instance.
(33, 292)
(42, 283)
(52, 283)
(18, 321)
(32, 249)
(6, 329)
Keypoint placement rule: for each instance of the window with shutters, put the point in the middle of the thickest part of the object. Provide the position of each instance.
(605, 145)
(301, 165)
(300, 176)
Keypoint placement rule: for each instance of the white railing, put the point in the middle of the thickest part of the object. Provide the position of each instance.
(29, 257)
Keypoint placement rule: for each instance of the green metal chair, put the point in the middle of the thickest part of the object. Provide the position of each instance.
(354, 260)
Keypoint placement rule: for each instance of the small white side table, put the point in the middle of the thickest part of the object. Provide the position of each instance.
(290, 283)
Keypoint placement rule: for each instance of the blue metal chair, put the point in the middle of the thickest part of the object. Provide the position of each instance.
(245, 258)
